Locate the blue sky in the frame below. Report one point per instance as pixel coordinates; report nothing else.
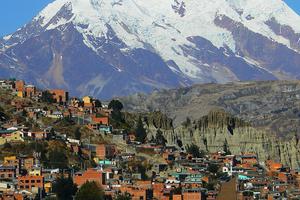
(15, 13)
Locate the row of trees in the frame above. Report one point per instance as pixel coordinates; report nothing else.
(65, 189)
(197, 153)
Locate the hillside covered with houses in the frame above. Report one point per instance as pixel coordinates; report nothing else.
(53, 146)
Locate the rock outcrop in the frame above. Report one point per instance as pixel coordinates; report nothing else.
(212, 131)
(273, 105)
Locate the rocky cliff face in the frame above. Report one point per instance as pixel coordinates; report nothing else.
(273, 105)
(212, 131)
(260, 117)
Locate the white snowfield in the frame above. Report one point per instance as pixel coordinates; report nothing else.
(156, 22)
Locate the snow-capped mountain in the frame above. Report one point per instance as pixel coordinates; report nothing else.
(117, 47)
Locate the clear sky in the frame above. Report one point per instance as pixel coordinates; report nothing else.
(15, 13)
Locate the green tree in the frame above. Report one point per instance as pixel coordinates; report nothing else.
(51, 133)
(115, 105)
(64, 188)
(116, 114)
(98, 103)
(248, 193)
(213, 168)
(90, 191)
(47, 97)
(209, 186)
(7, 146)
(3, 116)
(140, 132)
(24, 113)
(58, 159)
(179, 143)
(77, 134)
(195, 151)
(226, 148)
(143, 171)
(123, 196)
(160, 139)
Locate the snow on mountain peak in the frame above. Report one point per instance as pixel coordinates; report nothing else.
(261, 10)
(145, 44)
(180, 14)
(166, 25)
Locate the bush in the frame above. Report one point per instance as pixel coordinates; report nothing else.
(90, 191)
(64, 188)
(58, 159)
(123, 196)
(195, 151)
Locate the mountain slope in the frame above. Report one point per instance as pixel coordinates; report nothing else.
(119, 47)
(271, 105)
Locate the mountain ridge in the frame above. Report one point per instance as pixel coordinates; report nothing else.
(129, 46)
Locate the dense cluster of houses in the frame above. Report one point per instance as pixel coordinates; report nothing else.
(177, 175)
(23, 176)
(86, 110)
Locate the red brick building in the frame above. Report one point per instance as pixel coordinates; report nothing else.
(7, 172)
(191, 194)
(177, 197)
(102, 120)
(60, 96)
(249, 159)
(30, 91)
(20, 85)
(30, 182)
(39, 135)
(89, 175)
(12, 196)
(137, 193)
(158, 189)
(105, 151)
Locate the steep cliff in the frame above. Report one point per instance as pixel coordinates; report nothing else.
(212, 131)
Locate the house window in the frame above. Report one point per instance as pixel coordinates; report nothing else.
(26, 181)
